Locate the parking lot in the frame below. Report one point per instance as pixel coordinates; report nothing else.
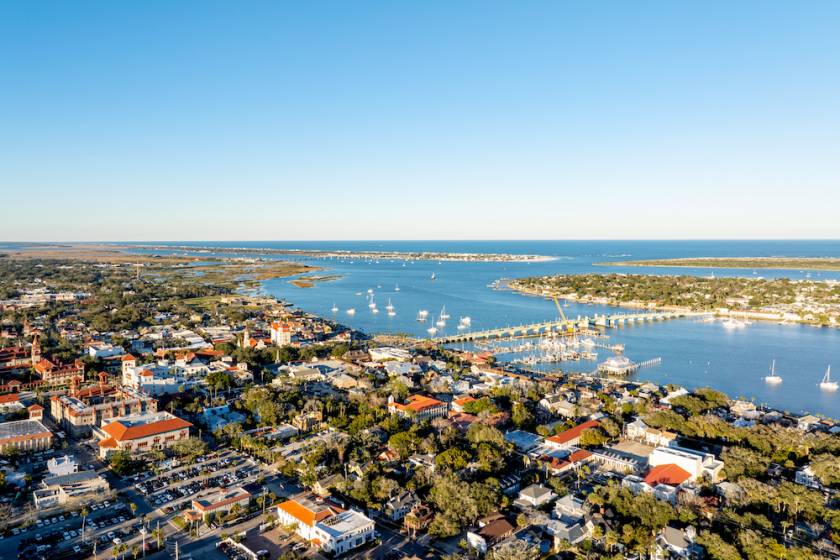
(167, 491)
(62, 534)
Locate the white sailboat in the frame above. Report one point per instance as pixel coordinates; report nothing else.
(440, 322)
(351, 311)
(827, 384)
(334, 308)
(391, 313)
(372, 303)
(443, 314)
(433, 276)
(389, 307)
(773, 379)
(397, 287)
(432, 331)
(374, 311)
(422, 315)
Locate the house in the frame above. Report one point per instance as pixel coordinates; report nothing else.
(458, 404)
(58, 490)
(675, 542)
(221, 502)
(557, 405)
(400, 505)
(806, 477)
(491, 530)
(25, 435)
(418, 408)
(534, 495)
(323, 486)
(570, 437)
(640, 431)
(805, 423)
(325, 526)
(141, 433)
(281, 333)
(569, 521)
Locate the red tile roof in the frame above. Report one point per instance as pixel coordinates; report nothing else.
(670, 474)
(418, 403)
(572, 433)
(11, 398)
(121, 432)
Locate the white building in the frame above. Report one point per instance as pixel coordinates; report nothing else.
(696, 463)
(326, 527)
(58, 466)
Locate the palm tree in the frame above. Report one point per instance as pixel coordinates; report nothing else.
(135, 551)
(133, 507)
(84, 513)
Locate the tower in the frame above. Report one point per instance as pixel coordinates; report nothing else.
(36, 350)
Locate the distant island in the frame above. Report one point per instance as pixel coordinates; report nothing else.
(343, 254)
(795, 301)
(786, 263)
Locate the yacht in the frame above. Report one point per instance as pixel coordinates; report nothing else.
(334, 308)
(443, 314)
(731, 324)
(827, 384)
(422, 314)
(466, 321)
(391, 313)
(441, 323)
(432, 331)
(351, 311)
(389, 307)
(773, 379)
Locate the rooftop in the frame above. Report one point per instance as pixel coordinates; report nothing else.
(21, 428)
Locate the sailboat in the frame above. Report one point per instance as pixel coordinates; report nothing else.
(422, 314)
(443, 314)
(432, 331)
(391, 313)
(334, 308)
(773, 379)
(397, 287)
(351, 311)
(827, 384)
(389, 307)
(372, 304)
(441, 322)
(433, 276)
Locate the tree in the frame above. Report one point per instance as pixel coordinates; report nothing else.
(190, 448)
(452, 460)
(521, 416)
(593, 437)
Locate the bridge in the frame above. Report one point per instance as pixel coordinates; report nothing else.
(566, 326)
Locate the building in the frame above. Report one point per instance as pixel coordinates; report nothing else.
(418, 408)
(10, 403)
(58, 373)
(400, 505)
(58, 490)
(570, 437)
(696, 463)
(221, 502)
(806, 477)
(281, 333)
(491, 530)
(386, 353)
(617, 365)
(59, 466)
(24, 435)
(84, 409)
(534, 495)
(325, 526)
(141, 433)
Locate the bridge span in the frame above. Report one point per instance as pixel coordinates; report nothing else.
(561, 326)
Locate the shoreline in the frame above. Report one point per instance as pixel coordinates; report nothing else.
(828, 264)
(753, 315)
(347, 254)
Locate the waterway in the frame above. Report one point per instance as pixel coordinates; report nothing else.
(693, 353)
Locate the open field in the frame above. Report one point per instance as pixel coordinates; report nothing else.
(785, 263)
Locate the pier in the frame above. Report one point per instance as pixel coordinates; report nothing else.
(564, 326)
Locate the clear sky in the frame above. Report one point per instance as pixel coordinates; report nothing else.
(419, 120)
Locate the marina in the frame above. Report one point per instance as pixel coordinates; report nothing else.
(695, 351)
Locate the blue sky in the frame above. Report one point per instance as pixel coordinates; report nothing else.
(419, 120)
